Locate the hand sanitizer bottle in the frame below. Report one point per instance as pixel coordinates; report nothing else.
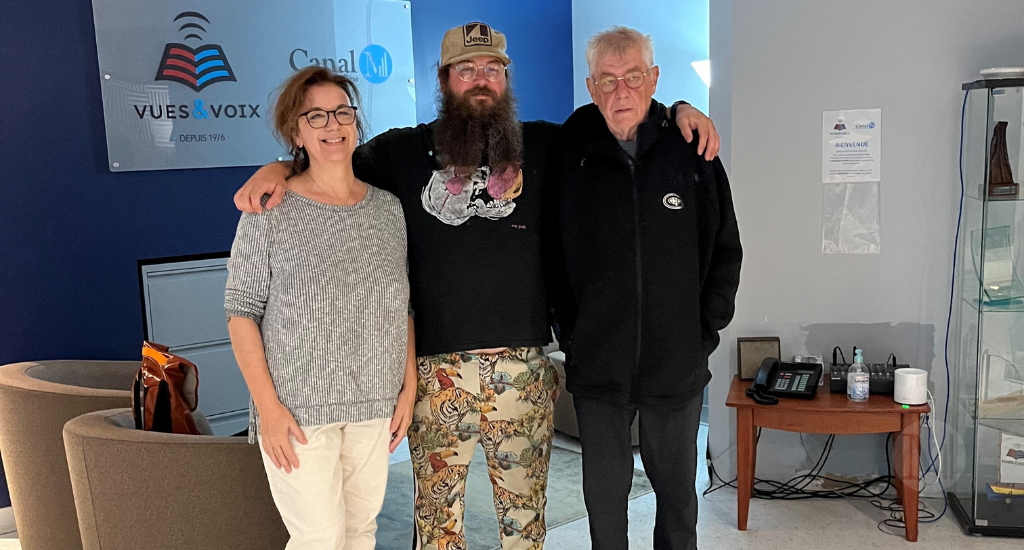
(857, 381)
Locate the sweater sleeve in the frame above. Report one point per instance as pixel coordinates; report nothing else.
(718, 294)
(249, 268)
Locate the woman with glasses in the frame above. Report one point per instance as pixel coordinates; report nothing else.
(317, 305)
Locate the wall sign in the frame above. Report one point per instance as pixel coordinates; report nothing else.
(190, 84)
(851, 167)
(851, 145)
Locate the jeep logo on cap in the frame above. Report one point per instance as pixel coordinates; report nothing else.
(477, 34)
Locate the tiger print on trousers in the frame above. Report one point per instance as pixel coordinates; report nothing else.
(506, 402)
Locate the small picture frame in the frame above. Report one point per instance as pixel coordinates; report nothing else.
(750, 352)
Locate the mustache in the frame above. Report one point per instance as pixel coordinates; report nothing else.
(480, 90)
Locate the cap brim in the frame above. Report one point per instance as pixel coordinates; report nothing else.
(460, 58)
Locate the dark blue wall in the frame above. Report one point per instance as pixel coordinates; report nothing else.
(71, 231)
(5, 498)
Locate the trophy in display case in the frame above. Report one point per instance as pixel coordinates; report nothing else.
(1000, 177)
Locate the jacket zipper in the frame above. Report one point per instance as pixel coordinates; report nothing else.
(639, 276)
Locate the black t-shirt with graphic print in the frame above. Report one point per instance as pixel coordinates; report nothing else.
(474, 237)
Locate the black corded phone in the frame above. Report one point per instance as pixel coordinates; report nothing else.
(778, 379)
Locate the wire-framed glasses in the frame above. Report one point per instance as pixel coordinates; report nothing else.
(634, 79)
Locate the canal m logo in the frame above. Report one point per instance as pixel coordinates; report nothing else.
(375, 64)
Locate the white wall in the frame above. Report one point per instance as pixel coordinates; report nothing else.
(776, 66)
(679, 29)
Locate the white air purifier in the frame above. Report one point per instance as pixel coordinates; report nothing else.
(911, 386)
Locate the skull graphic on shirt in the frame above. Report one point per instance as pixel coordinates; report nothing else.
(455, 194)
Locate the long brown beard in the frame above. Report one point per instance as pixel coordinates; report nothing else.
(465, 135)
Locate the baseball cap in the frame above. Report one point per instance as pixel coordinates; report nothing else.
(472, 40)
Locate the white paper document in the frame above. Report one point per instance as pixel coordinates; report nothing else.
(851, 146)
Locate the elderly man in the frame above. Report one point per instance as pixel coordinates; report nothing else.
(651, 266)
(471, 186)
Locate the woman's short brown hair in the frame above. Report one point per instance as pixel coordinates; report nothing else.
(291, 98)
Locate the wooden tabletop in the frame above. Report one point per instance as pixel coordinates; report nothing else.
(824, 400)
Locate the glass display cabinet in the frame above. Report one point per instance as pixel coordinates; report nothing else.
(985, 438)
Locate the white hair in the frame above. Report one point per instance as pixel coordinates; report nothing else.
(617, 41)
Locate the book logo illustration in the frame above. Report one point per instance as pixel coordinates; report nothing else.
(196, 67)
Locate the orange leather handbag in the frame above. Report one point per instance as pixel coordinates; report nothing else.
(165, 392)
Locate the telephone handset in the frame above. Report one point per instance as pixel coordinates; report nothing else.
(779, 379)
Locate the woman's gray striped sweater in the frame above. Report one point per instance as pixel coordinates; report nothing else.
(328, 286)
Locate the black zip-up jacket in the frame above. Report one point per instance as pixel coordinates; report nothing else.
(650, 261)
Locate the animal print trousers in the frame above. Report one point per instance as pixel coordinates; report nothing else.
(506, 402)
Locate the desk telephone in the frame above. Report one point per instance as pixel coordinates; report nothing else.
(777, 379)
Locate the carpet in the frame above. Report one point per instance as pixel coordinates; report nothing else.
(565, 501)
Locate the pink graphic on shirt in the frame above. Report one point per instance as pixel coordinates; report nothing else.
(455, 194)
(506, 185)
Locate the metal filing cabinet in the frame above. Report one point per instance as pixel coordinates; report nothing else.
(183, 308)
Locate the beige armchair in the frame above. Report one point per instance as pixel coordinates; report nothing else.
(36, 399)
(158, 491)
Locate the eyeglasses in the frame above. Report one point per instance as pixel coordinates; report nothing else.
(319, 118)
(493, 71)
(633, 80)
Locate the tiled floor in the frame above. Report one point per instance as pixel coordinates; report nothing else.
(783, 525)
(775, 524)
(772, 524)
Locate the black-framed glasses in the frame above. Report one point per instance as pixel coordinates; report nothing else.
(319, 118)
(634, 79)
(467, 70)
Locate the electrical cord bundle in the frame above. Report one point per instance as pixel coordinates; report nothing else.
(937, 468)
(796, 487)
(895, 519)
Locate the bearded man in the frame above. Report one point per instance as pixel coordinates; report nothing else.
(471, 185)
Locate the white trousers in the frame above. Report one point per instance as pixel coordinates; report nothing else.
(331, 501)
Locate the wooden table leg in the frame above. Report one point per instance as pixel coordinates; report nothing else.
(910, 450)
(746, 450)
(897, 466)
